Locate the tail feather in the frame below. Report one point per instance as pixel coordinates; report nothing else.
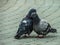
(52, 30)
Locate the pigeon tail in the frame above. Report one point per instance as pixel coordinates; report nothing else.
(52, 30)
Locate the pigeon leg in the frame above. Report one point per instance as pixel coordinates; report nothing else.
(26, 35)
(40, 36)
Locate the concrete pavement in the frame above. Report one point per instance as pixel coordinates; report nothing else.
(11, 13)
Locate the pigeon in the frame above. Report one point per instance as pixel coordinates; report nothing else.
(26, 26)
(41, 26)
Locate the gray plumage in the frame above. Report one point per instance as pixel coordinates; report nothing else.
(40, 26)
(24, 28)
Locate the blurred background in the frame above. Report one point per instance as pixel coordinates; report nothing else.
(12, 12)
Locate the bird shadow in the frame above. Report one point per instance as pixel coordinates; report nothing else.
(49, 36)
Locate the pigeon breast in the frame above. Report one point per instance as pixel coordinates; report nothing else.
(41, 26)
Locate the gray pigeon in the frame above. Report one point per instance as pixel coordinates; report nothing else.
(26, 26)
(40, 26)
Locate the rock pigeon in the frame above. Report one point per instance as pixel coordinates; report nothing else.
(41, 26)
(26, 26)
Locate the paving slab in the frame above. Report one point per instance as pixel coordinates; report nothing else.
(12, 12)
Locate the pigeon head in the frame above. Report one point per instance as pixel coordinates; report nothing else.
(31, 13)
(34, 16)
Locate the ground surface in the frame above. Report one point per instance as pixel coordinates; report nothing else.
(11, 13)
